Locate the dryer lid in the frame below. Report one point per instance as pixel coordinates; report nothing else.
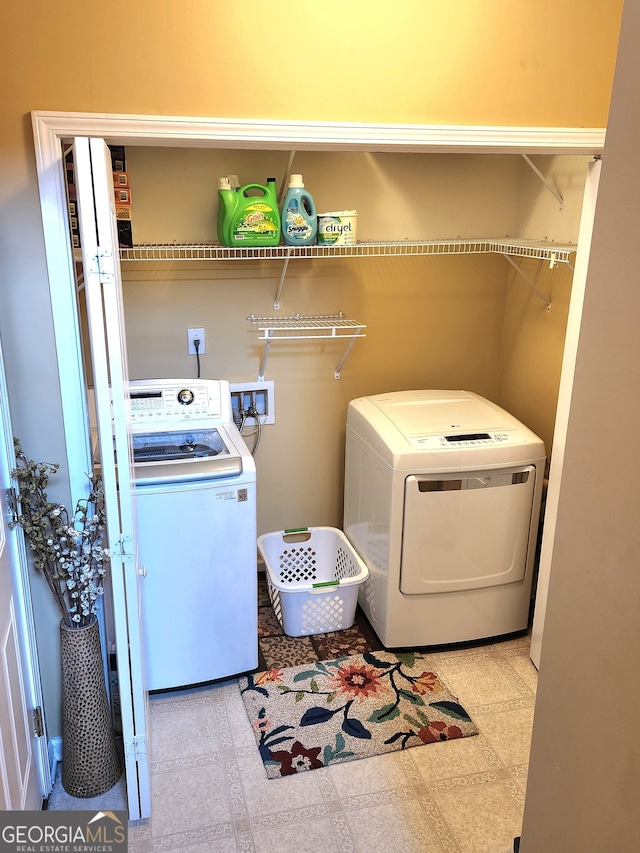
(421, 413)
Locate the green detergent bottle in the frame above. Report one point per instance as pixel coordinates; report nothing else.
(250, 216)
(224, 203)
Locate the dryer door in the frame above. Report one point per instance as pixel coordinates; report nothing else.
(466, 530)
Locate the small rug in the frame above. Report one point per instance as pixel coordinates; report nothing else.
(332, 711)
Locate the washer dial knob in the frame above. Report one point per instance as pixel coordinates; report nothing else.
(185, 397)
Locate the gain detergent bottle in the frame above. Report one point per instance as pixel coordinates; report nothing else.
(299, 218)
(224, 204)
(249, 216)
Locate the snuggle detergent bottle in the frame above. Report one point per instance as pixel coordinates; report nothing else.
(299, 218)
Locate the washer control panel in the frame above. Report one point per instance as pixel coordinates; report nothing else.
(154, 403)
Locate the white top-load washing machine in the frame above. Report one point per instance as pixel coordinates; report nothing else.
(195, 503)
(442, 501)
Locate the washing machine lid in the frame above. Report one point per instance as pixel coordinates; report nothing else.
(173, 446)
(169, 465)
(183, 455)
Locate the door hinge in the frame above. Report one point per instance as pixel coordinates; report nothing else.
(125, 547)
(105, 266)
(11, 498)
(137, 748)
(101, 265)
(38, 721)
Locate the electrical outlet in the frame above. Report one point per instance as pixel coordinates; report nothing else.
(261, 394)
(192, 335)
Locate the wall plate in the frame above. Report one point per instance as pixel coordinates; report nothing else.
(264, 399)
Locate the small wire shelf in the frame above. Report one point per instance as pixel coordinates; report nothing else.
(324, 325)
(314, 327)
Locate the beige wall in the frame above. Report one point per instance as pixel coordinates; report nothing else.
(535, 62)
(453, 322)
(584, 774)
(532, 347)
(529, 63)
(533, 340)
(534, 336)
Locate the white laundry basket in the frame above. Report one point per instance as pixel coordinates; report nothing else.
(313, 575)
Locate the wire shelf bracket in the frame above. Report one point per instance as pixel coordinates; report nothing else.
(531, 282)
(554, 192)
(319, 327)
(283, 275)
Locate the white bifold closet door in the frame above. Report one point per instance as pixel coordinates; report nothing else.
(103, 287)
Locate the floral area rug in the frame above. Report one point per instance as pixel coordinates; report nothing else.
(332, 711)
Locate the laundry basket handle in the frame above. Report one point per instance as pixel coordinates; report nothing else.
(296, 534)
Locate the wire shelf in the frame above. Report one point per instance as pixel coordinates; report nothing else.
(215, 252)
(315, 327)
(325, 325)
(553, 252)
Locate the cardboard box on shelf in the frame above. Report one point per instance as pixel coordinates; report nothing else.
(121, 179)
(123, 211)
(123, 195)
(125, 234)
(118, 162)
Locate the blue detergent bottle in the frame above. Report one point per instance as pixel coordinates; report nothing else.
(299, 217)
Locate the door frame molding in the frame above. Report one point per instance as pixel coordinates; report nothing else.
(183, 131)
(51, 129)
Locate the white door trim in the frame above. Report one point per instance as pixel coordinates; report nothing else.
(578, 287)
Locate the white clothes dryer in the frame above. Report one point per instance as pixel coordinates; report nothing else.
(442, 502)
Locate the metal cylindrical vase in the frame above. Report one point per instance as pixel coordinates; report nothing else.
(90, 761)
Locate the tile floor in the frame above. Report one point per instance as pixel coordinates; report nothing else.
(210, 792)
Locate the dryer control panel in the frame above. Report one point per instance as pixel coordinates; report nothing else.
(466, 439)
